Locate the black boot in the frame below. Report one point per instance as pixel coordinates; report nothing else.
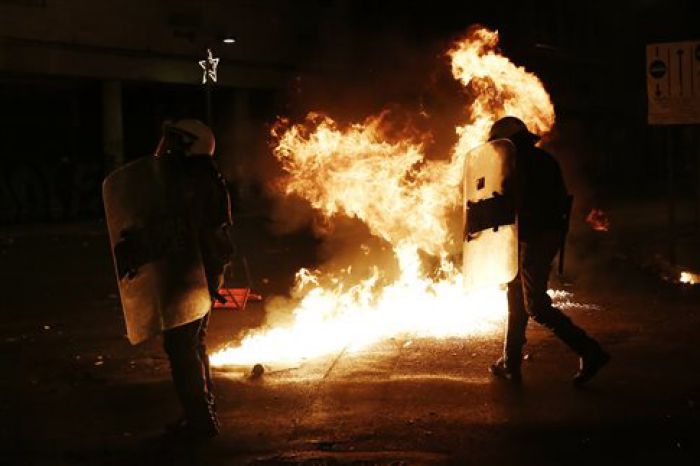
(590, 363)
(206, 422)
(591, 356)
(198, 424)
(506, 371)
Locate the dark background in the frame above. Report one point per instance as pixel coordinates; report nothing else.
(58, 58)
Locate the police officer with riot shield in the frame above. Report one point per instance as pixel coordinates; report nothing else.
(541, 204)
(168, 217)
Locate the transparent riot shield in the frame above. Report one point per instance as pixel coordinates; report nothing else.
(490, 241)
(156, 253)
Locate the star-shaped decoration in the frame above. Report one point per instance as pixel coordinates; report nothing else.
(209, 66)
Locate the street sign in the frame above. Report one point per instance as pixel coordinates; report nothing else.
(673, 83)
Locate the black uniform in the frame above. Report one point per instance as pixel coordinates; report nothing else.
(541, 200)
(210, 211)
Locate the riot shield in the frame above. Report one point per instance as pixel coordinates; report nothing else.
(490, 241)
(155, 248)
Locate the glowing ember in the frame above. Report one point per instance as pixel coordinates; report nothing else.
(404, 199)
(598, 220)
(563, 300)
(690, 278)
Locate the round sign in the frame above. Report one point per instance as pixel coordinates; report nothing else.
(657, 68)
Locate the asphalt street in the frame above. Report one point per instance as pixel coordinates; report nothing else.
(74, 392)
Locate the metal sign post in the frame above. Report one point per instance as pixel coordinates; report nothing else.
(673, 94)
(673, 83)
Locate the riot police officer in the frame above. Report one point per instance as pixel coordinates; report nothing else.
(209, 208)
(541, 203)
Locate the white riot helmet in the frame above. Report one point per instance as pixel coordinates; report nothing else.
(510, 127)
(186, 137)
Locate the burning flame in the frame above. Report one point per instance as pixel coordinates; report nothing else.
(403, 198)
(598, 220)
(690, 278)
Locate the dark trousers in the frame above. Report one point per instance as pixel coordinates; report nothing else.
(527, 297)
(189, 365)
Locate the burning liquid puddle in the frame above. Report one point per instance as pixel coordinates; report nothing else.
(332, 321)
(424, 316)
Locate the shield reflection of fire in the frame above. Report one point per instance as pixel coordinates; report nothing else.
(358, 171)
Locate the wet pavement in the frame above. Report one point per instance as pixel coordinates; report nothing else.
(74, 392)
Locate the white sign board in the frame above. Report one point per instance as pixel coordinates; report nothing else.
(673, 83)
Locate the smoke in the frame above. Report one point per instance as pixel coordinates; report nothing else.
(588, 252)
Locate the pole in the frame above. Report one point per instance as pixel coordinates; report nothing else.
(207, 103)
(696, 148)
(671, 191)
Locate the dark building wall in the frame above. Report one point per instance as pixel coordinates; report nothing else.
(350, 58)
(86, 86)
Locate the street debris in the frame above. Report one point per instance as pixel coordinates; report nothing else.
(257, 372)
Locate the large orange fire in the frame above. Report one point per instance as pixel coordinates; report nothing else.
(406, 200)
